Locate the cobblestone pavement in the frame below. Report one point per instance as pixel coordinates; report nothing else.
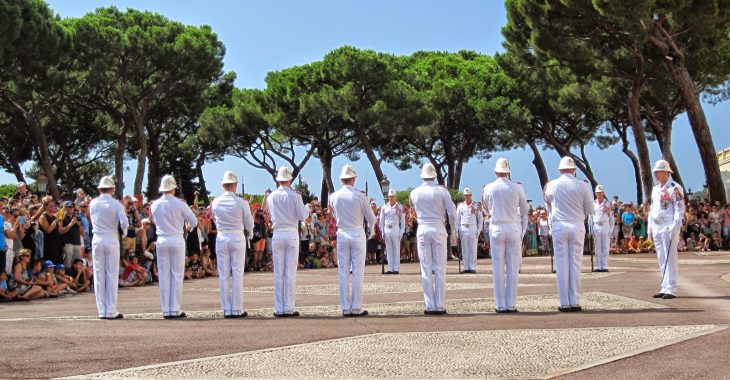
(490, 354)
(622, 333)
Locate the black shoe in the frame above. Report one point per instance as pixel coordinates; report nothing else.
(512, 311)
(360, 314)
(396, 272)
(179, 316)
(388, 272)
(347, 315)
(668, 296)
(103, 318)
(234, 316)
(501, 311)
(277, 315)
(293, 315)
(576, 309)
(564, 309)
(659, 295)
(434, 312)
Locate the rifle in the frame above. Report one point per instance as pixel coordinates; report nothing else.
(458, 248)
(550, 248)
(592, 249)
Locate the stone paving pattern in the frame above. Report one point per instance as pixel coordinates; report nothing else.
(481, 354)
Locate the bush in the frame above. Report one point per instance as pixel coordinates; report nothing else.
(7, 191)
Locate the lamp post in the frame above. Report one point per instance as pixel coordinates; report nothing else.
(385, 187)
(42, 182)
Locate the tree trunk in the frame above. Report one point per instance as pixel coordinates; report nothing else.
(328, 187)
(153, 170)
(142, 157)
(119, 161)
(457, 174)
(539, 164)
(700, 128)
(664, 138)
(201, 179)
(367, 147)
(634, 161)
(41, 142)
(17, 172)
(640, 141)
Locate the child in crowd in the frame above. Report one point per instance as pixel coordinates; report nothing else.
(63, 278)
(195, 268)
(134, 274)
(5, 294)
(208, 264)
(80, 277)
(633, 245)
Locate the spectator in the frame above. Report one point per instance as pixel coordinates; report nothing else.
(715, 242)
(80, 276)
(22, 281)
(726, 221)
(194, 268)
(640, 226)
(681, 244)
(52, 244)
(691, 242)
(258, 242)
(6, 295)
(134, 274)
(633, 245)
(63, 279)
(628, 219)
(22, 192)
(129, 242)
(305, 235)
(85, 216)
(703, 243)
(80, 197)
(10, 228)
(209, 265)
(3, 244)
(71, 232)
(47, 279)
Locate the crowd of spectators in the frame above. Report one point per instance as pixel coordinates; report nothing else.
(46, 249)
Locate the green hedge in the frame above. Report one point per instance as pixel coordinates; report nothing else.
(7, 191)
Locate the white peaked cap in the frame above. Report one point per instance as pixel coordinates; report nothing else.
(599, 189)
(348, 171)
(467, 191)
(284, 174)
(392, 193)
(502, 166)
(662, 165)
(168, 183)
(428, 171)
(106, 182)
(566, 163)
(229, 177)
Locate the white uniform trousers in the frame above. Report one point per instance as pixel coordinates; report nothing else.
(171, 270)
(392, 237)
(285, 253)
(601, 244)
(568, 240)
(105, 254)
(506, 246)
(351, 257)
(432, 245)
(231, 255)
(468, 241)
(665, 242)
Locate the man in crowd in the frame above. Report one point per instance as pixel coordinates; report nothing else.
(507, 206)
(392, 222)
(350, 208)
(469, 220)
(665, 221)
(603, 224)
(71, 231)
(569, 202)
(287, 210)
(235, 227)
(434, 207)
(169, 214)
(22, 192)
(107, 216)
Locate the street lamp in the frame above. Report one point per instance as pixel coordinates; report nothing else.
(42, 182)
(385, 186)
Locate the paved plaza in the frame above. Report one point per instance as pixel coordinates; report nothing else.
(622, 333)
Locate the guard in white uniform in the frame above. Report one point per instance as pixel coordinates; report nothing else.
(107, 217)
(569, 202)
(235, 228)
(351, 210)
(665, 221)
(434, 207)
(603, 224)
(169, 214)
(469, 220)
(287, 210)
(392, 221)
(505, 203)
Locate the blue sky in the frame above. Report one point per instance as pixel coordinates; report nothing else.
(261, 36)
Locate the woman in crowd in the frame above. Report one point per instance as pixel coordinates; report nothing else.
(628, 219)
(52, 244)
(532, 235)
(258, 242)
(22, 281)
(544, 232)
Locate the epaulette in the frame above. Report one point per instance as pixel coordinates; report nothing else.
(519, 183)
(586, 181)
